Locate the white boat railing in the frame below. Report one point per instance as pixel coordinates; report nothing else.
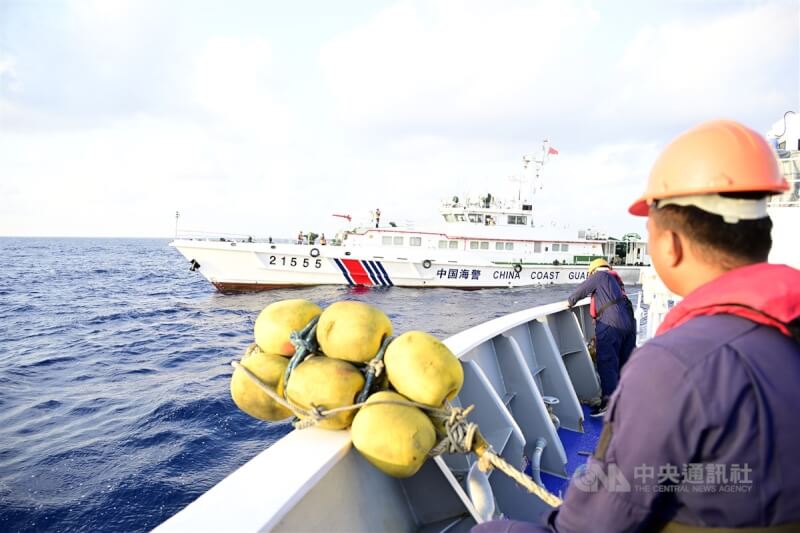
(514, 368)
(791, 170)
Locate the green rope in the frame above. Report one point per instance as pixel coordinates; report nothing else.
(305, 345)
(373, 370)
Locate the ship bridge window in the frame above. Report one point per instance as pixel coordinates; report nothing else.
(517, 219)
(398, 241)
(498, 246)
(556, 247)
(449, 218)
(484, 245)
(453, 245)
(509, 246)
(415, 241)
(473, 245)
(387, 240)
(475, 217)
(537, 247)
(565, 247)
(442, 244)
(459, 218)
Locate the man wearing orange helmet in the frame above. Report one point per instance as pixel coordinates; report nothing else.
(703, 426)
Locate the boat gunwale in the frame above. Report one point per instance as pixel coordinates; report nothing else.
(318, 450)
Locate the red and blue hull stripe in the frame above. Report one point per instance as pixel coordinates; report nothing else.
(363, 272)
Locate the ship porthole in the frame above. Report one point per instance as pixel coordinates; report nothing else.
(314, 252)
(517, 268)
(427, 263)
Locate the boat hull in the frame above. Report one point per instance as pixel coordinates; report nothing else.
(246, 267)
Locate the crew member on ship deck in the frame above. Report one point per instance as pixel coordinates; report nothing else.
(615, 328)
(703, 426)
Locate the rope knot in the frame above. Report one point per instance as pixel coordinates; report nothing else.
(459, 433)
(377, 366)
(313, 416)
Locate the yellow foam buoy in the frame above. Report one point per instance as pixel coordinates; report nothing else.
(396, 439)
(326, 383)
(278, 320)
(423, 369)
(352, 331)
(269, 368)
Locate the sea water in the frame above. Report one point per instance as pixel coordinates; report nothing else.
(115, 411)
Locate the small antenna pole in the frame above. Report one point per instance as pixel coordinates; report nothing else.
(538, 162)
(177, 216)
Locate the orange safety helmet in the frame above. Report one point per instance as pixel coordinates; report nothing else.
(718, 156)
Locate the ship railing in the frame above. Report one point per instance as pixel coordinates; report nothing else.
(790, 166)
(527, 374)
(217, 236)
(652, 304)
(200, 235)
(480, 203)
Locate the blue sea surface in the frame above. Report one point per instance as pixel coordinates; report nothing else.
(115, 411)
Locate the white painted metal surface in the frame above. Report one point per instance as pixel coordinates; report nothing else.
(479, 242)
(312, 480)
(235, 265)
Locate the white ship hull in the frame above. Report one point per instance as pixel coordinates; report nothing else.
(250, 266)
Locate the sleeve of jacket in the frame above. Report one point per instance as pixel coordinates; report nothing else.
(583, 290)
(653, 425)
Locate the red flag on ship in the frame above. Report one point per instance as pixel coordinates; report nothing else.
(552, 151)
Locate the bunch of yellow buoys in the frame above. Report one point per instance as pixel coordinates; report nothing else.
(388, 430)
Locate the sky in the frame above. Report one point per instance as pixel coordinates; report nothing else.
(265, 118)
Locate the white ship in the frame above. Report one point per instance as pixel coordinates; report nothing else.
(478, 243)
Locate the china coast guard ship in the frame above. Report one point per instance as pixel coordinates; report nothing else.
(478, 243)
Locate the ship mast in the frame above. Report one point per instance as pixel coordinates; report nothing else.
(538, 161)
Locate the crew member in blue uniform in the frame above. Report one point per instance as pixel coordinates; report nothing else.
(615, 328)
(702, 431)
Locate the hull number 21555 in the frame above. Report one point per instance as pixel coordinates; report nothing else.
(304, 262)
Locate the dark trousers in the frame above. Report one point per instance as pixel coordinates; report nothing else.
(614, 347)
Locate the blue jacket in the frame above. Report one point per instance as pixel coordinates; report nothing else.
(605, 289)
(728, 402)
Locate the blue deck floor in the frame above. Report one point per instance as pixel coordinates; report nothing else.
(573, 444)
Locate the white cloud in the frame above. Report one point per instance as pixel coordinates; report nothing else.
(595, 188)
(130, 177)
(233, 81)
(455, 63)
(126, 111)
(740, 64)
(502, 69)
(9, 81)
